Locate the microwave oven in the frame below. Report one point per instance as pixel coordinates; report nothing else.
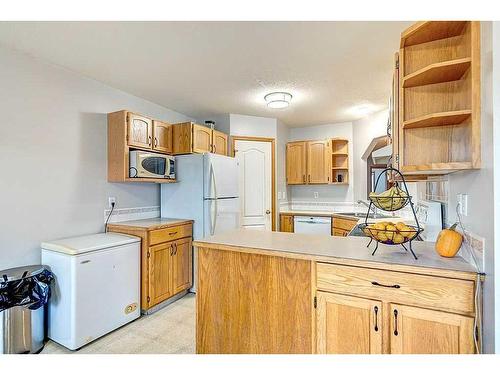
(149, 165)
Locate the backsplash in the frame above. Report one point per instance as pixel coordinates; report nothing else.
(133, 213)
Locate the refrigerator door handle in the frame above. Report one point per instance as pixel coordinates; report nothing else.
(214, 221)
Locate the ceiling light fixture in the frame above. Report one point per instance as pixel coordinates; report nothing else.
(278, 100)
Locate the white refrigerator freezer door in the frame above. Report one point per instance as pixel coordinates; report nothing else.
(221, 215)
(221, 176)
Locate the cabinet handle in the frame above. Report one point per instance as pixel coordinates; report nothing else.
(175, 251)
(172, 233)
(375, 310)
(215, 148)
(396, 322)
(396, 286)
(156, 142)
(309, 178)
(171, 250)
(149, 140)
(304, 178)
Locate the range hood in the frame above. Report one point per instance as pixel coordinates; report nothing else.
(379, 151)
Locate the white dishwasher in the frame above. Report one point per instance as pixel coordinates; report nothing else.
(312, 225)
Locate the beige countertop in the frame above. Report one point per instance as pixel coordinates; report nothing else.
(154, 223)
(331, 248)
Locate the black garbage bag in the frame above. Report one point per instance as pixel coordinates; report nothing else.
(31, 290)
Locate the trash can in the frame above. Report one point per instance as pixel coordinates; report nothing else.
(24, 293)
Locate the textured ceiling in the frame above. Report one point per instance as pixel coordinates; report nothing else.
(207, 68)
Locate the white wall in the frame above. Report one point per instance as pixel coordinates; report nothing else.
(326, 193)
(479, 186)
(364, 130)
(53, 142)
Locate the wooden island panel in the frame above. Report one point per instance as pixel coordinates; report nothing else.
(253, 303)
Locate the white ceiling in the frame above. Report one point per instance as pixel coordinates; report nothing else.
(208, 68)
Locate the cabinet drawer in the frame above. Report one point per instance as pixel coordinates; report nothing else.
(169, 234)
(340, 232)
(398, 287)
(345, 224)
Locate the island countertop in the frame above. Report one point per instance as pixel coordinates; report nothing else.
(342, 250)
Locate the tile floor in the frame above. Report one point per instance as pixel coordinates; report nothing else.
(170, 330)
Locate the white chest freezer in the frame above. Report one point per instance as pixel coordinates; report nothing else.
(97, 286)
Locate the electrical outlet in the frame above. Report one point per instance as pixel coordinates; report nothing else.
(284, 195)
(279, 195)
(111, 202)
(462, 201)
(316, 195)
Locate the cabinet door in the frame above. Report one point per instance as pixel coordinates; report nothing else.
(348, 325)
(162, 133)
(202, 139)
(421, 331)
(318, 162)
(182, 265)
(140, 131)
(160, 272)
(219, 142)
(286, 223)
(296, 163)
(394, 113)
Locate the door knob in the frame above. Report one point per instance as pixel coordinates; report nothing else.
(268, 212)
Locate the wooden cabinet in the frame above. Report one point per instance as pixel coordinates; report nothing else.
(296, 159)
(162, 137)
(139, 131)
(342, 226)
(439, 98)
(189, 137)
(318, 162)
(220, 143)
(129, 131)
(422, 331)
(181, 265)
(348, 325)
(408, 313)
(166, 259)
(286, 223)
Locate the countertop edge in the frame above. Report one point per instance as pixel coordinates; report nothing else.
(395, 267)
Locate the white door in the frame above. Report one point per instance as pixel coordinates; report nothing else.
(255, 183)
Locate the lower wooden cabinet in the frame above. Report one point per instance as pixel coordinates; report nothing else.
(366, 310)
(166, 260)
(342, 226)
(286, 223)
(422, 331)
(348, 325)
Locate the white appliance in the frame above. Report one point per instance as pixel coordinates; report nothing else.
(149, 165)
(96, 287)
(206, 192)
(430, 218)
(312, 225)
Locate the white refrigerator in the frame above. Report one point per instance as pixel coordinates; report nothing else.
(206, 192)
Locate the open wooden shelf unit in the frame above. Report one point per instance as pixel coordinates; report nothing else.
(439, 97)
(340, 161)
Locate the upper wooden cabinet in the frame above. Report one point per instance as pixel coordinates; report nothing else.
(130, 131)
(296, 159)
(439, 98)
(162, 137)
(219, 141)
(317, 162)
(348, 325)
(189, 137)
(139, 131)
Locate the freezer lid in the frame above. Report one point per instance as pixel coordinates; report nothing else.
(220, 174)
(85, 244)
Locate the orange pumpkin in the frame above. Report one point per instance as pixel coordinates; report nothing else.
(448, 242)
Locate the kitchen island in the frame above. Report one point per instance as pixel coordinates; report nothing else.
(272, 292)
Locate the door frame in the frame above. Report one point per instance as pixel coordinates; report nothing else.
(235, 138)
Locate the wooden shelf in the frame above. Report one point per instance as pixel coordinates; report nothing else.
(437, 168)
(154, 180)
(446, 71)
(423, 32)
(340, 154)
(438, 119)
(341, 168)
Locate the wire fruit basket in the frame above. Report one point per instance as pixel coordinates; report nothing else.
(391, 200)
